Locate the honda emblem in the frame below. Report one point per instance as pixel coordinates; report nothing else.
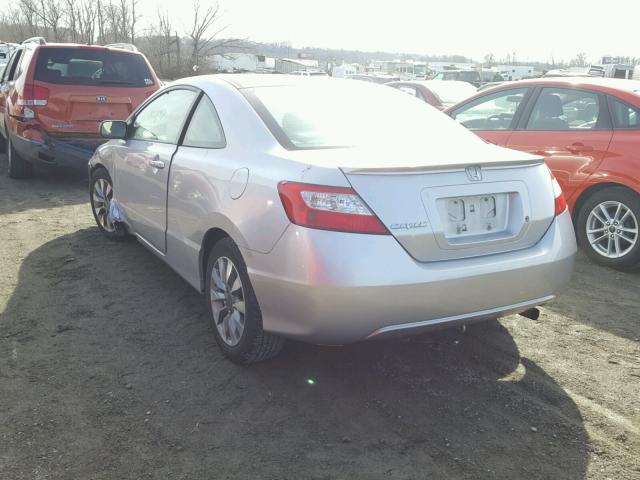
(474, 173)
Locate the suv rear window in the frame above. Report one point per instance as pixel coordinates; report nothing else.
(80, 66)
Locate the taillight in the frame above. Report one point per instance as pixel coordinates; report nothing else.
(560, 202)
(33, 96)
(328, 208)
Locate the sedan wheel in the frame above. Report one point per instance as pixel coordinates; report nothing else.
(102, 196)
(234, 308)
(612, 229)
(227, 301)
(607, 227)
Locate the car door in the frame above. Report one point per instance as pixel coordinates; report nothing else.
(202, 179)
(494, 115)
(571, 128)
(6, 84)
(143, 171)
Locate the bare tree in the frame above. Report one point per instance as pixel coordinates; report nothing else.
(205, 32)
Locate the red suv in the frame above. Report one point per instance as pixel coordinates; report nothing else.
(588, 130)
(54, 96)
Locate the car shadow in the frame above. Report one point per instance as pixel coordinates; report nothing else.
(48, 188)
(112, 362)
(602, 298)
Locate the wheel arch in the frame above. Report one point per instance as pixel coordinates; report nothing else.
(592, 190)
(211, 237)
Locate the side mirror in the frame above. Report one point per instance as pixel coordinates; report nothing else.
(113, 129)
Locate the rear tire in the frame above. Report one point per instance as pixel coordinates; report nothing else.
(100, 196)
(236, 318)
(608, 228)
(18, 167)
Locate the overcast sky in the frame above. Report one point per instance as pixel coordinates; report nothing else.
(535, 30)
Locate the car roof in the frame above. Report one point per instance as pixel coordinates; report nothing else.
(253, 80)
(81, 46)
(599, 83)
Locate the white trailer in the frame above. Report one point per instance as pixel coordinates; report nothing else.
(515, 72)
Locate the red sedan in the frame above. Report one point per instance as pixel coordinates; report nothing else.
(588, 130)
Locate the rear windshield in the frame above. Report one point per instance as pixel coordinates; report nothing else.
(328, 112)
(80, 66)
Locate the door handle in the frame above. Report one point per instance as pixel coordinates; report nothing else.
(579, 147)
(156, 163)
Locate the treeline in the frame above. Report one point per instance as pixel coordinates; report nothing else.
(173, 51)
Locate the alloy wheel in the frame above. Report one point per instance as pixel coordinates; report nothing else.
(102, 196)
(612, 229)
(227, 301)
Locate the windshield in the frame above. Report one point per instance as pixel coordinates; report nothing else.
(81, 66)
(333, 113)
(450, 93)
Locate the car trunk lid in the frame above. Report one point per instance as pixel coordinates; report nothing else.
(457, 208)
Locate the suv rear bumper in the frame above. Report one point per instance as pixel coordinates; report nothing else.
(72, 153)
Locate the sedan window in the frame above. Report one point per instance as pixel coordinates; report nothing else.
(559, 109)
(162, 120)
(205, 130)
(494, 111)
(624, 115)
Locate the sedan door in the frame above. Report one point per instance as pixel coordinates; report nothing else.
(142, 173)
(494, 115)
(571, 128)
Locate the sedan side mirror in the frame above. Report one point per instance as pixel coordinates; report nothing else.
(113, 129)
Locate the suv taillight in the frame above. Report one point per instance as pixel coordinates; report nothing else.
(328, 208)
(560, 204)
(34, 96)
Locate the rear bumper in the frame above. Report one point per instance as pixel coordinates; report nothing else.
(74, 154)
(335, 288)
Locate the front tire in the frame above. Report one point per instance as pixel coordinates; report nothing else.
(101, 196)
(18, 167)
(608, 228)
(235, 314)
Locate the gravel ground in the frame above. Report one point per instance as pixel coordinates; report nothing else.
(108, 370)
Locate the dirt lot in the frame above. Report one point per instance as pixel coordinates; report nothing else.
(108, 370)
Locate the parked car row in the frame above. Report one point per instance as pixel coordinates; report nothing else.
(245, 184)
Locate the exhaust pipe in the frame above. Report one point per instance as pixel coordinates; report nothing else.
(532, 313)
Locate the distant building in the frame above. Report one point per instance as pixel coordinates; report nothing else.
(344, 70)
(243, 62)
(288, 65)
(437, 67)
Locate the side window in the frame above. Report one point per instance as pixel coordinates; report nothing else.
(624, 115)
(27, 54)
(11, 66)
(205, 130)
(559, 109)
(491, 112)
(162, 120)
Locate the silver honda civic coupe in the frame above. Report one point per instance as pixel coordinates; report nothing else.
(328, 210)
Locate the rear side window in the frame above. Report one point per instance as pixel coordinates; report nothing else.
(559, 109)
(624, 115)
(82, 66)
(9, 73)
(25, 61)
(204, 129)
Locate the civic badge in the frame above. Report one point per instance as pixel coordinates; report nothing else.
(101, 98)
(474, 173)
